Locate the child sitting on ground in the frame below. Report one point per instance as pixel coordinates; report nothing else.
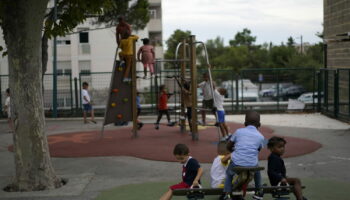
(191, 171)
(148, 57)
(219, 166)
(127, 53)
(163, 106)
(219, 105)
(276, 169)
(245, 145)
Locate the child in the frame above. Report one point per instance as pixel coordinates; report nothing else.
(247, 143)
(163, 106)
(8, 110)
(138, 104)
(187, 101)
(122, 27)
(208, 101)
(127, 53)
(219, 166)
(276, 169)
(219, 101)
(87, 103)
(191, 171)
(148, 57)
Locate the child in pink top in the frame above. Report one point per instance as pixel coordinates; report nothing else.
(148, 56)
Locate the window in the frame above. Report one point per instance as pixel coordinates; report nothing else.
(84, 37)
(63, 40)
(64, 68)
(153, 13)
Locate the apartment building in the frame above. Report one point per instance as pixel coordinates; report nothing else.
(90, 49)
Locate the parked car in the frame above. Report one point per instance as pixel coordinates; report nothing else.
(273, 90)
(309, 97)
(293, 91)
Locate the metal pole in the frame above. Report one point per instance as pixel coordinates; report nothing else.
(336, 93)
(54, 74)
(194, 87)
(183, 75)
(71, 93)
(319, 91)
(134, 106)
(76, 94)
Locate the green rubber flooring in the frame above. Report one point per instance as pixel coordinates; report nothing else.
(316, 189)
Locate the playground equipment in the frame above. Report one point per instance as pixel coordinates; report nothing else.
(122, 96)
(240, 187)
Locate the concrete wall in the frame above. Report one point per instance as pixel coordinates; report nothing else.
(337, 21)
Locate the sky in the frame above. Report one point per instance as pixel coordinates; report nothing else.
(269, 20)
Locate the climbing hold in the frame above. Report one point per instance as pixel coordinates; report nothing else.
(113, 105)
(119, 116)
(115, 90)
(125, 99)
(120, 69)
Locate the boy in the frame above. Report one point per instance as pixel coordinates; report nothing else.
(276, 169)
(8, 110)
(163, 106)
(219, 166)
(87, 103)
(245, 145)
(219, 105)
(127, 53)
(191, 171)
(208, 101)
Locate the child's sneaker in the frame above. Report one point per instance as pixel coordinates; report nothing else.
(182, 118)
(227, 197)
(259, 195)
(171, 123)
(122, 64)
(139, 125)
(156, 126)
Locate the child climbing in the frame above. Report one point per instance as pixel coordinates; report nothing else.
(147, 56)
(127, 53)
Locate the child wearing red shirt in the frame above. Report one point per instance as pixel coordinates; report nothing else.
(163, 106)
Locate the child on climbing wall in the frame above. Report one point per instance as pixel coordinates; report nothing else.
(146, 55)
(127, 53)
(163, 106)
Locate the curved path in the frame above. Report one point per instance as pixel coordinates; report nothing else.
(158, 144)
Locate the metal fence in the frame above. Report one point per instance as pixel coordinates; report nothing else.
(266, 90)
(334, 93)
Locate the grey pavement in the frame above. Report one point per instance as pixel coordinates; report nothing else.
(88, 176)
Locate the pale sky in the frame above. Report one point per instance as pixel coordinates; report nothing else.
(269, 20)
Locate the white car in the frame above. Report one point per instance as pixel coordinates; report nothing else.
(308, 97)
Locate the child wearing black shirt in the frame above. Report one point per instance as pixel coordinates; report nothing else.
(276, 168)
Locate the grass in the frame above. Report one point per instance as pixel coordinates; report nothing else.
(316, 189)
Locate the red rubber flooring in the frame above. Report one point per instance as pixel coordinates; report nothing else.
(157, 144)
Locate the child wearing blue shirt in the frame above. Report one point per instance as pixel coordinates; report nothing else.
(245, 145)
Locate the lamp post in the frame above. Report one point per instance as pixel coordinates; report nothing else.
(301, 43)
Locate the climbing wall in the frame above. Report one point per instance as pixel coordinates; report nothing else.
(119, 103)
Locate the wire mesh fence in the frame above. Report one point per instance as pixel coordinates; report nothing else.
(269, 90)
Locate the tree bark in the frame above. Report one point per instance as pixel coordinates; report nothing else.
(22, 26)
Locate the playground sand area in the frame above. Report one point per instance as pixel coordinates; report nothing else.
(324, 171)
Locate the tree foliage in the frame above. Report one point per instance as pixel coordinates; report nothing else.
(173, 41)
(243, 38)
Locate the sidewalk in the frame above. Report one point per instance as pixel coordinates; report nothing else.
(88, 176)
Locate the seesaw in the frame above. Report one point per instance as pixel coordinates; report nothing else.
(240, 187)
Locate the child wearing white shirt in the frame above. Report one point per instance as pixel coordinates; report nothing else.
(87, 106)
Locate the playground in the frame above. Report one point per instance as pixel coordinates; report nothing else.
(322, 170)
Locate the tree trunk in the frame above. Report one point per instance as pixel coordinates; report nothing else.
(22, 25)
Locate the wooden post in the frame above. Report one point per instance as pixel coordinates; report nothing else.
(193, 87)
(183, 75)
(133, 81)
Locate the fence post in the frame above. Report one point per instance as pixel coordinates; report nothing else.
(278, 90)
(232, 78)
(336, 93)
(313, 88)
(237, 100)
(80, 100)
(71, 92)
(76, 94)
(319, 78)
(326, 89)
